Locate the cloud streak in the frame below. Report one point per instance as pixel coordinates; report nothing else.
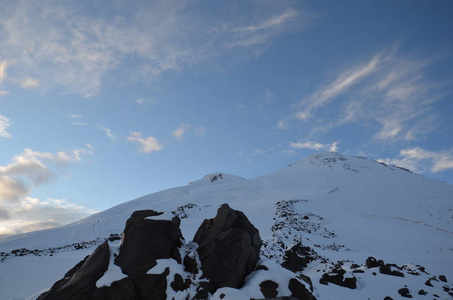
(315, 146)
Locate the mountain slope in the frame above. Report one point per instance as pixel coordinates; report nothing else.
(342, 207)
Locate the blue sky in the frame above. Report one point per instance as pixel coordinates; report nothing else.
(105, 101)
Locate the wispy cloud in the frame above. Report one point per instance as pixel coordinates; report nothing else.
(167, 36)
(259, 32)
(108, 132)
(147, 101)
(315, 146)
(388, 95)
(4, 124)
(146, 145)
(184, 129)
(30, 83)
(28, 171)
(76, 120)
(340, 85)
(421, 160)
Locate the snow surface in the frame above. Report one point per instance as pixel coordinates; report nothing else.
(343, 207)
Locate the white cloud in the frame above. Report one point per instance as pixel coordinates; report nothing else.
(184, 129)
(30, 83)
(29, 170)
(108, 132)
(77, 120)
(167, 36)
(421, 160)
(4, 124)
(146, 145)
(315, 146)
(3, 67)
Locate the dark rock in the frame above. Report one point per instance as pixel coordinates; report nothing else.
(446, 288)
(179, 284)
(388, 298)
(269, 289)
(145, 241)
(121, 289)
(81, 283)
(299, 291)
(358, 271)
(404, 292)
(337, 277)
(428, 282)
(261, 267)
(371, 262)
(386, 269)
(152, 286)
(230, 243)
(422, 292)
(354, 266)
(204, 289)
(190, 265)
(443, 278)
(297, 258)
(307, 280)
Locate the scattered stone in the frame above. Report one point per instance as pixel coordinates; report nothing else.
(371, 262)
(388, 298)
(297, 258)
(269, 289)
(422, 292)
(337, 276)
(386, 269)
(428, 282)
(404, 292)
(443, 278)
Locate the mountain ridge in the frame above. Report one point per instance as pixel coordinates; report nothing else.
(342, 207)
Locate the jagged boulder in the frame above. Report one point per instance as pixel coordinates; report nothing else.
(146, 239)
(79, 283)
(228, 242)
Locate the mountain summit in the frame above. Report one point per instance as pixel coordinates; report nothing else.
(338, 212)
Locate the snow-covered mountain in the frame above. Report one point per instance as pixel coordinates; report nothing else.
(344, 208)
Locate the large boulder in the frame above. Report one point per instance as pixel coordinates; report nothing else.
(79, 283)
(147, 238)
(228, 242)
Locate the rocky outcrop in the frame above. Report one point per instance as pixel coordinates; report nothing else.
(153, 262)
(144, 241)
(228, 242)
